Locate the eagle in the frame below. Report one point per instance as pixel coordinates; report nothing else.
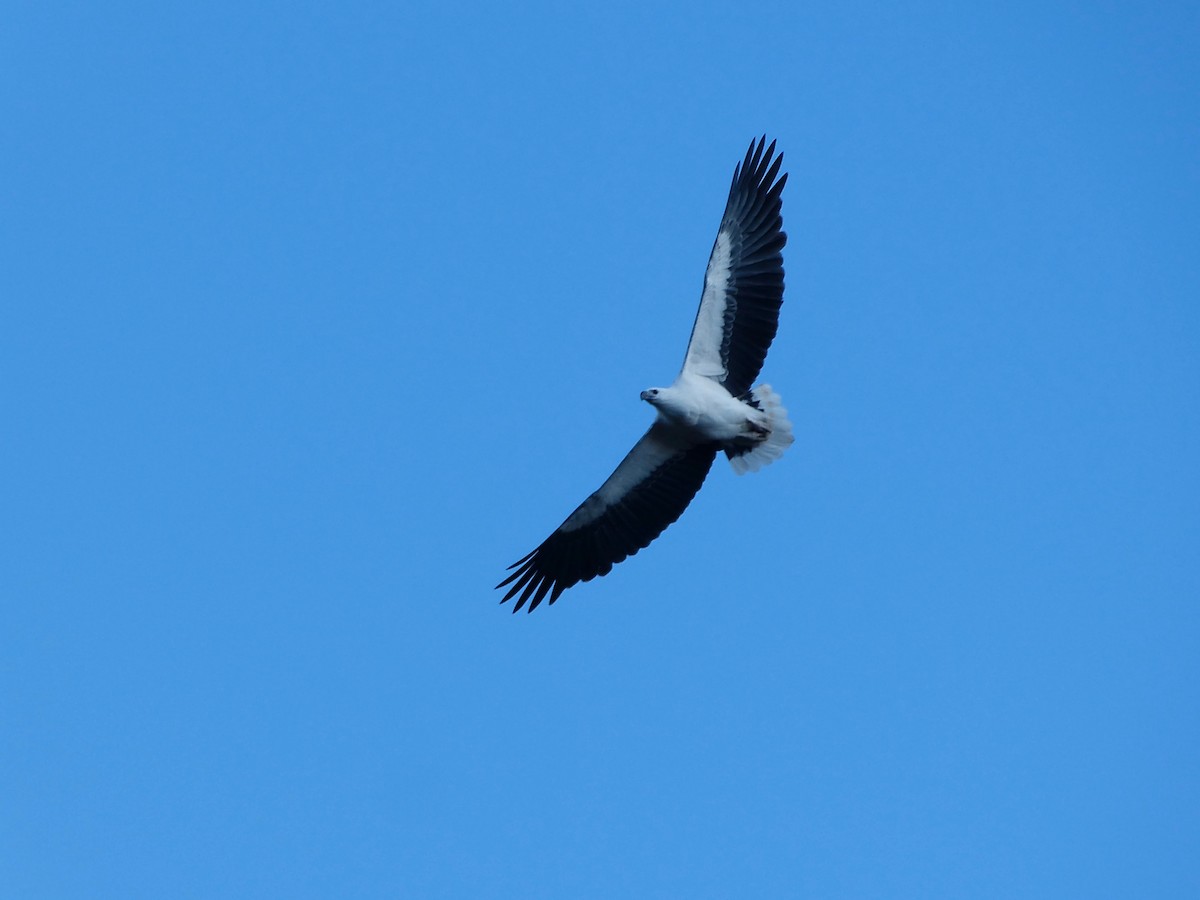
(713, 406)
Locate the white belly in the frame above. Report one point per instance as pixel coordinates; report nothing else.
(705, 407)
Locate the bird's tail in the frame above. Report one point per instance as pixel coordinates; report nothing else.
(752, 457)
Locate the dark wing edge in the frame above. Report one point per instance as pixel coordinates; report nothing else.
(753, 224)
(612, 528)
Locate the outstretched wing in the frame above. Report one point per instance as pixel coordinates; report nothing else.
(649, 490)
(743, 286)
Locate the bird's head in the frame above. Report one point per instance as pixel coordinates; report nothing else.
(652, 395)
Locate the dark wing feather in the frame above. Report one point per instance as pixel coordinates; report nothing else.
(648, 491)
(743, 285)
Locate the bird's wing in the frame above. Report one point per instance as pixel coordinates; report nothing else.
(743, 285)
(649, 490)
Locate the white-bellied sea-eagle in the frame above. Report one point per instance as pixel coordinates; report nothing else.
(711, 407)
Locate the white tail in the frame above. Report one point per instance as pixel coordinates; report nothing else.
(779, 433)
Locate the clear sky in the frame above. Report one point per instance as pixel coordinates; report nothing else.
(314, 317)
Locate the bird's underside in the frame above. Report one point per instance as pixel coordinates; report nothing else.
(710, 408)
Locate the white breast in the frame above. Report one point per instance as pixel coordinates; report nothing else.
(704, 406)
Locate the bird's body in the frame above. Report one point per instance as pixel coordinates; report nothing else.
(704, 407)
(711, 406)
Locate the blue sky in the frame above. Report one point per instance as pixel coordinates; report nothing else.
(317, 316)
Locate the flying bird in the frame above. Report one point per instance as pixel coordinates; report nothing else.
(710, 408)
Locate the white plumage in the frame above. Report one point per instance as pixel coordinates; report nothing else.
(709, 408)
